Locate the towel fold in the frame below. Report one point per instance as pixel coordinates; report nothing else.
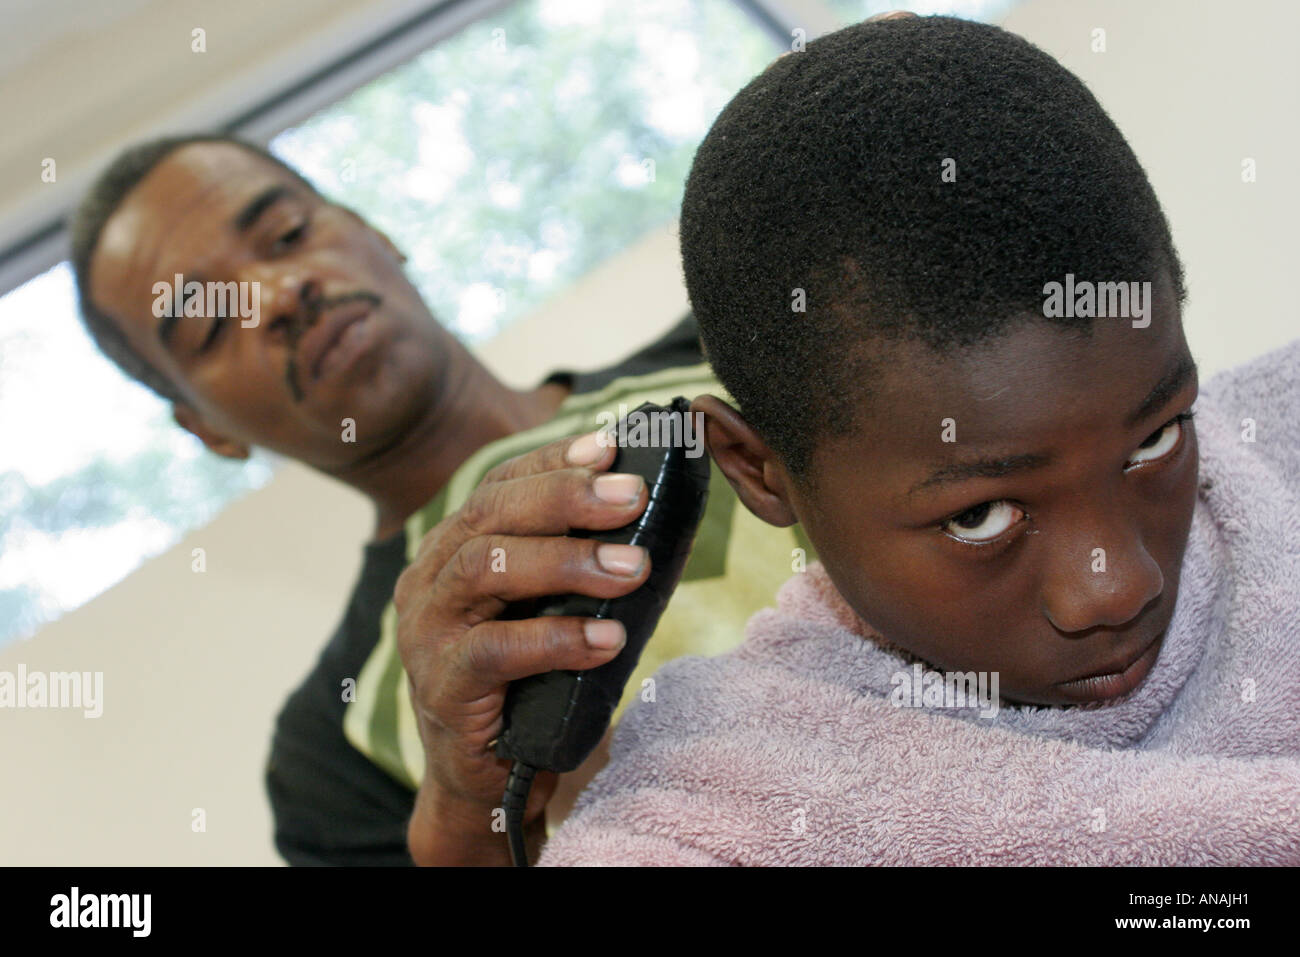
(789, 750)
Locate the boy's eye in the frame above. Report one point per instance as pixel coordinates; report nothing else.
(1159, 443)
(983, 523)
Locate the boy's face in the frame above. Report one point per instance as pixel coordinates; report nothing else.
(1045, 540)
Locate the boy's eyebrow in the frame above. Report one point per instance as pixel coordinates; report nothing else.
(1170, 384)
(981, 468)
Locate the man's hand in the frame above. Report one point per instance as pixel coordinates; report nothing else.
(505, 544)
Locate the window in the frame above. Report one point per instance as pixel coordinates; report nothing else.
(94, 475)
(509, 160)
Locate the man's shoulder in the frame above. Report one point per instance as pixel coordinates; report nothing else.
(670, 366)
(678, 347)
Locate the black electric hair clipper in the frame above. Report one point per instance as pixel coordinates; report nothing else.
(553, 721)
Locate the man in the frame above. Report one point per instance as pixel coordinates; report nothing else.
(342, 334)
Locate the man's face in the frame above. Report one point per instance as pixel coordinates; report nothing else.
(1045, 541)
(340, 334)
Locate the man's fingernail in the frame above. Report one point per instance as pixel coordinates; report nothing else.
(603, 634)
(586, 450)
(618, 489)
(620, 559)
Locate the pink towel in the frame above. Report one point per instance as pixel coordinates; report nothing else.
(788, 750)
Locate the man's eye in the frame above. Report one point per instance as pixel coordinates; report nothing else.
(1159, 443)
(291, 237)
(983, 523)
(213, 333)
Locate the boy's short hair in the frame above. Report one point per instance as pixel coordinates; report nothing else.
(918, 178)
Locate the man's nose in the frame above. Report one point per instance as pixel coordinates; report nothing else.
(286, 302)
(1105, 576)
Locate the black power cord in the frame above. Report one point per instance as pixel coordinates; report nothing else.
(514, 802)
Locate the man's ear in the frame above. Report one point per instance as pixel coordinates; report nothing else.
(189, 420)
(392, 247)
(383, 236)
(760, 481)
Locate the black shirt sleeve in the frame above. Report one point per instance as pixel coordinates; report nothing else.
(331, 804)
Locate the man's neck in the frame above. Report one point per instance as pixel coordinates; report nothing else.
(474, 408)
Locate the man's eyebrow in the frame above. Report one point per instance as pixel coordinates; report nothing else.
(1170, 384)
(259, 204)
(981, 468)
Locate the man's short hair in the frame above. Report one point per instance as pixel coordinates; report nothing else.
(102, 200)
(917, 179)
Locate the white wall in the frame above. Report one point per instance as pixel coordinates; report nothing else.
(197, 665)
(1196, 87)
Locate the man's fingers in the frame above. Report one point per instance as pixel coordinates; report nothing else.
(491, 570)
(550, 503)
(593, 450)
(553, 503)
(498, 652)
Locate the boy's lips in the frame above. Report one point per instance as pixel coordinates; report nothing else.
(1114, 681)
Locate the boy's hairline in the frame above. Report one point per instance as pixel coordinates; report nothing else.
(806, 477)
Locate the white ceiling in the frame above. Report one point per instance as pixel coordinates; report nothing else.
(28, 26)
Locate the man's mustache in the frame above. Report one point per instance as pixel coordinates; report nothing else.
(307, 316)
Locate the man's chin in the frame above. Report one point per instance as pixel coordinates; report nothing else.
(372, 418)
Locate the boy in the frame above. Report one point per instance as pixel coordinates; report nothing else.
(878, 235)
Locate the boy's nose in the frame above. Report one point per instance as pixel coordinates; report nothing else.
(1101, 581)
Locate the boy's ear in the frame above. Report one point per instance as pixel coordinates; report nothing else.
(760, 481)
(189, 420)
